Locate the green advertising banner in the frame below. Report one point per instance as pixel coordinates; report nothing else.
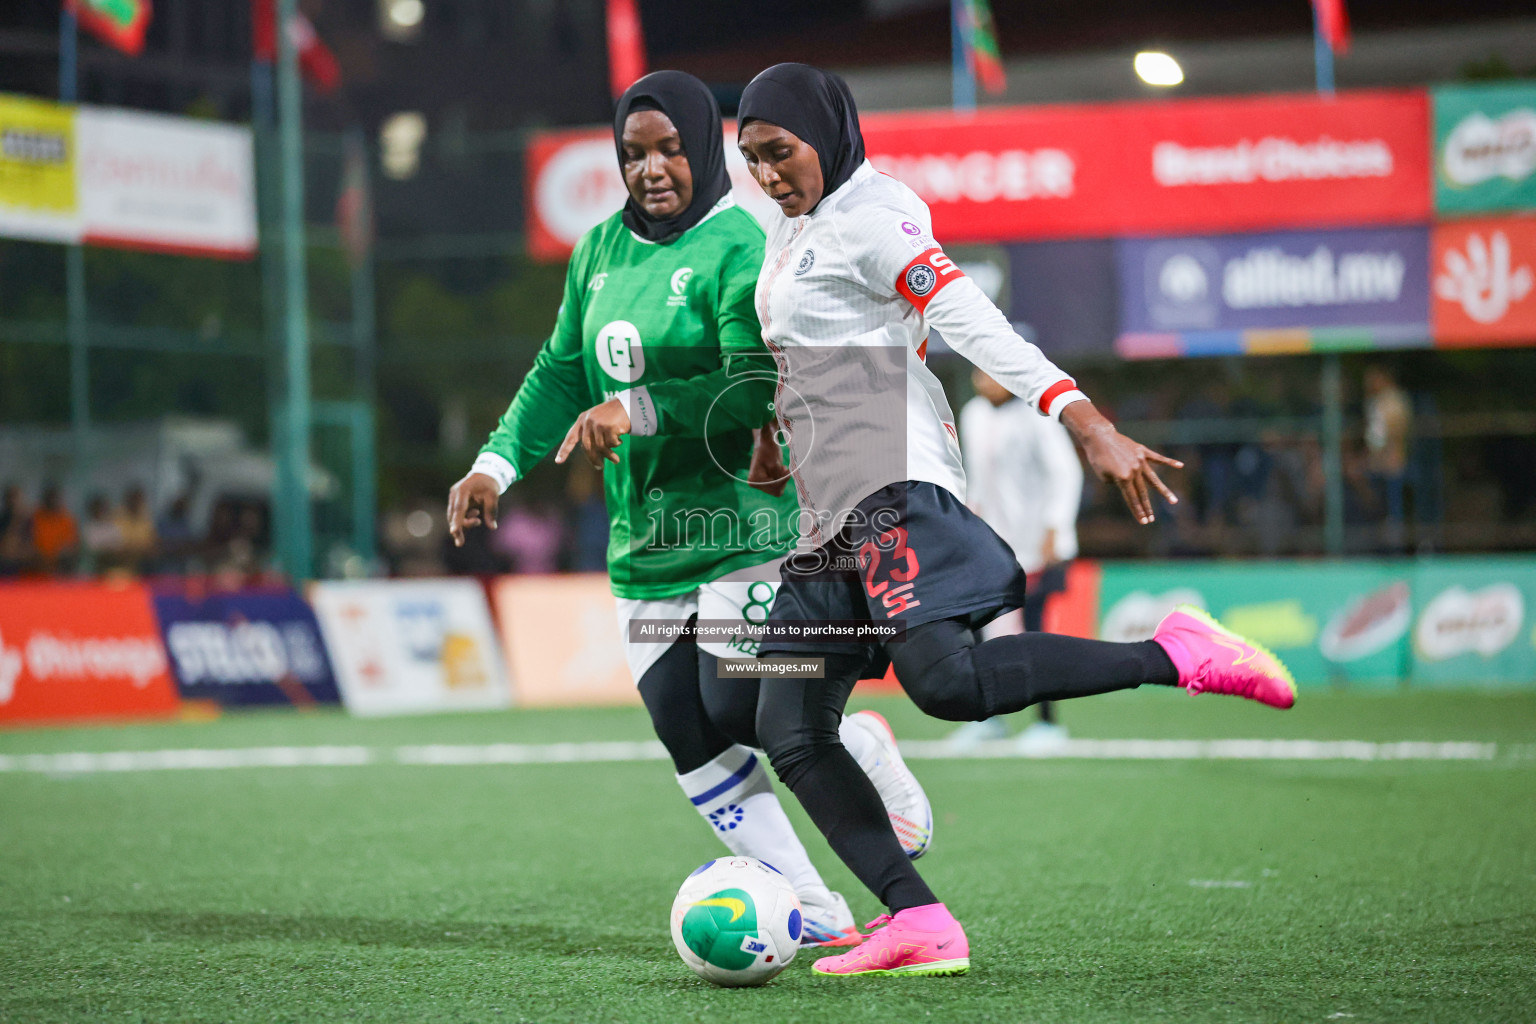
(1331, 622)
(1450, 621)
(1473, 622)
(1485, 148)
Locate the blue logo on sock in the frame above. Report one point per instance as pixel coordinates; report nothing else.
(727, 817)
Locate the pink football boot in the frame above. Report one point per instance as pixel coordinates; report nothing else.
(921, 940)
(1213, 659)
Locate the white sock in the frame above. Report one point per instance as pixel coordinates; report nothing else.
(734, 794)
(858, 742)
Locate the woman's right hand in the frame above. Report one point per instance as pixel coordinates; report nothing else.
(472, 502)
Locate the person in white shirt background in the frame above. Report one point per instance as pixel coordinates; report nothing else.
(1024, 479)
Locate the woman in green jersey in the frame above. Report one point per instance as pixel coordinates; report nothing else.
(657, 339)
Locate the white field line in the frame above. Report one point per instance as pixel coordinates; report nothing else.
(652, 750)
(531, 753)
(1213, 750)
(158, 760)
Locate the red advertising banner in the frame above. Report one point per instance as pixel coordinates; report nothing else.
(1483, 282)
(79, 651)
(1016, 174)
(1199, 166)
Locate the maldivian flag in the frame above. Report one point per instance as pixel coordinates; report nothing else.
(119, 23)
(981, 51)
(1333, 24)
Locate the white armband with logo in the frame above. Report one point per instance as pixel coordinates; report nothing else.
(640, 407)
(497, 468)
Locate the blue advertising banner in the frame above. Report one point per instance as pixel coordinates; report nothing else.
(1280, 292)
(1065, 294)
(246, 647)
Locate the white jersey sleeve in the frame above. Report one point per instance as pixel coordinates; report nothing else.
(894, 253)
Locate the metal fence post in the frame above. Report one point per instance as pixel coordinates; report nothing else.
(293, 455)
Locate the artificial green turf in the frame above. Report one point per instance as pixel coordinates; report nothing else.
(1400, 891)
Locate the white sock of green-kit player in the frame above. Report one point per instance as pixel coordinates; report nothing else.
(734, 794)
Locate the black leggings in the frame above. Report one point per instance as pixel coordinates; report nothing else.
(953, 675)
(696, 714)
(948, 674)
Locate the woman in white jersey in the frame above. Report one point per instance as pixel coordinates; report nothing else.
(679, 235)
(852, 279)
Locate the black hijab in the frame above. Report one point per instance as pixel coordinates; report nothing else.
(693, 110)
(816, 106)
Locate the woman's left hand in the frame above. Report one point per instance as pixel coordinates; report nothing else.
(768, 472)
(1115, 457)
(598, 431)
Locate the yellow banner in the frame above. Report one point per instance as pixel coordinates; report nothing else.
(37, 156)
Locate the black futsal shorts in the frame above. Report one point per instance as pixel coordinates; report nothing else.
(908, 554)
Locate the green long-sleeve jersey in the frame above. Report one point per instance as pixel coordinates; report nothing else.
(672, 328)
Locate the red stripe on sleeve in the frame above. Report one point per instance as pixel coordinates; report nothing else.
(923, 278)
(1054, 392)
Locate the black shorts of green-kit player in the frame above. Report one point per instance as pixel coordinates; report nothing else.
(949, 574)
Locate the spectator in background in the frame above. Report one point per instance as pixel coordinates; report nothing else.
(55, 535)
(589, 519)
(530, 537)
(1388, 426)
(173, 532)
(1217, 471)
(15, 531)
(102, 536)
(1024, 479)
(136, 529)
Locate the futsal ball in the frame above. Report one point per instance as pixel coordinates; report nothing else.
(736, 922)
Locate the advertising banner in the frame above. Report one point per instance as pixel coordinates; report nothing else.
(1484, 277)
(246, 647)
(561, 634)
(169, 184)
(123, 178)
(72, 651)
(1280, 292)
(411, 646)
(1485, 148)
(1473, 622)
(1331, 623)
(1432, 622)
(37, 170)
(1066, 295)
(1093, 171)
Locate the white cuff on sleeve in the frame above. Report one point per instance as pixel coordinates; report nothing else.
(640, 407)
(497, 468)
(1063, 400)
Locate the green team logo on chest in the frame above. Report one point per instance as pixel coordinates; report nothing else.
(620, 352)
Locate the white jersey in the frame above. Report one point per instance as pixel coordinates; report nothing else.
(1024, 478)
(846, 297)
